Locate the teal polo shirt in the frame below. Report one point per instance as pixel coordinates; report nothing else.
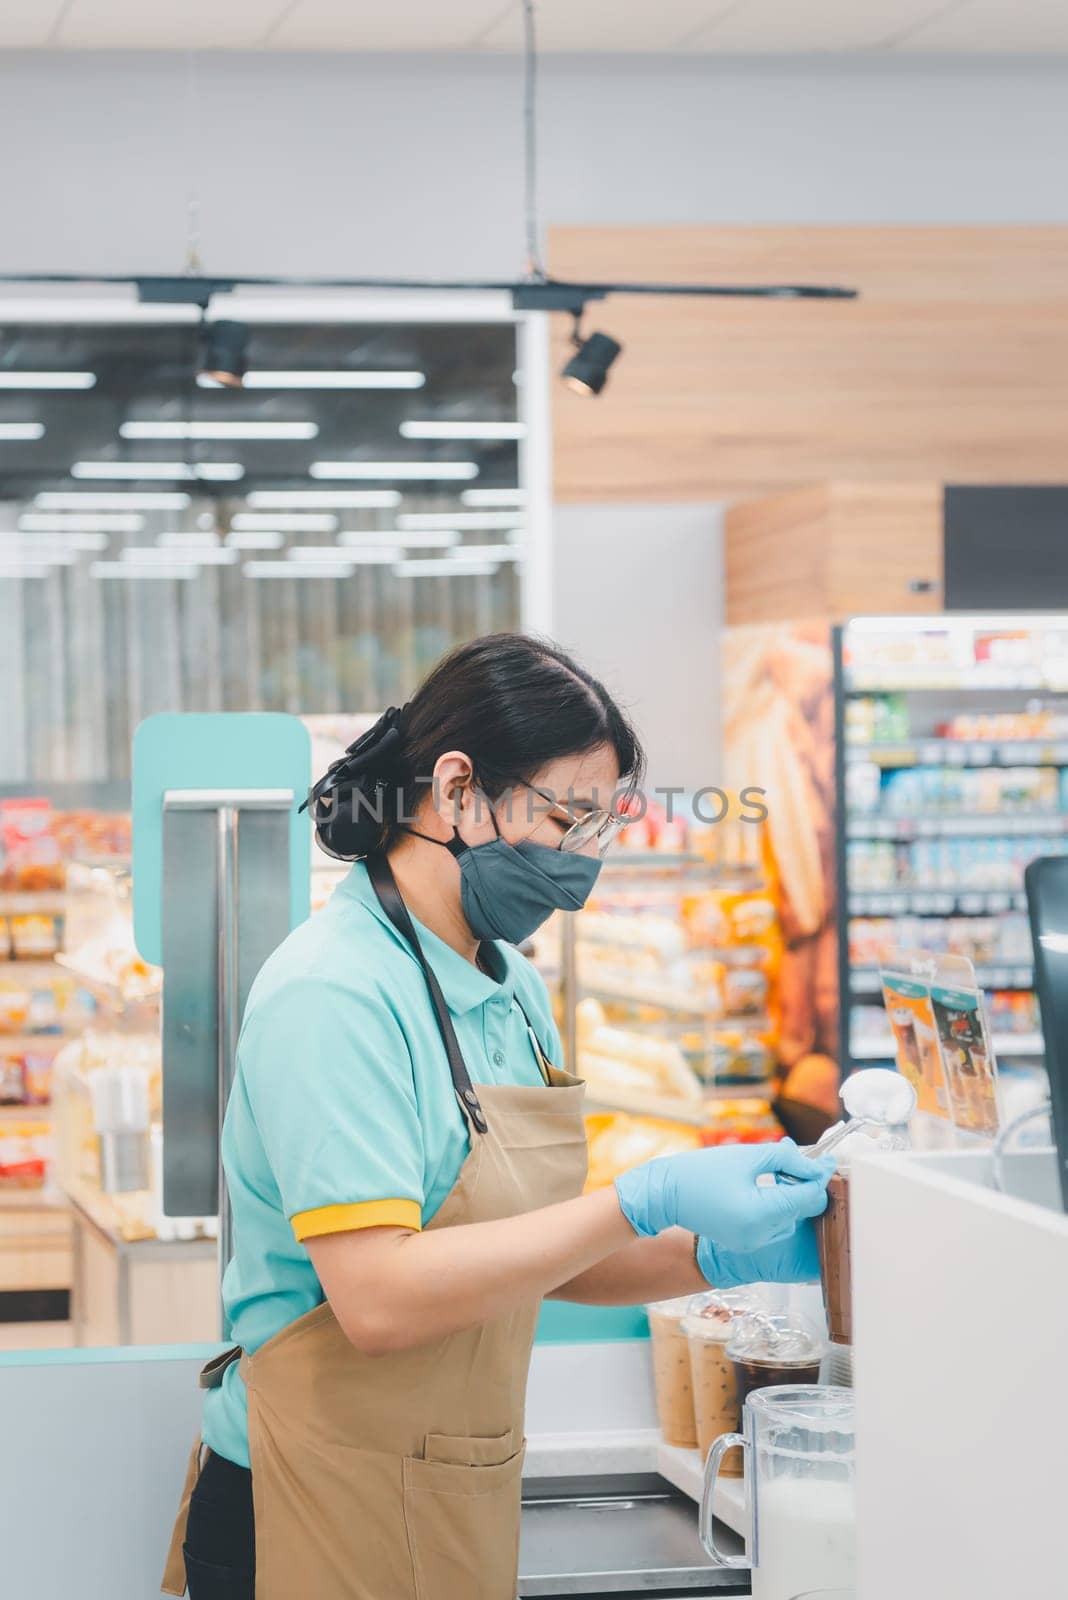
(342, 1113)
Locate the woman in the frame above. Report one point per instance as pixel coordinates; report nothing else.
(406, 1162)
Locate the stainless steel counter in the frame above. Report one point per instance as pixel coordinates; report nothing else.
(617, 1537)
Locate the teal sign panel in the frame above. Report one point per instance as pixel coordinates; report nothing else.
(213, 750)
(561, 1323)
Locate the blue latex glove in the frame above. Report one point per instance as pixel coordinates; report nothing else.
(792, 1260)
(715, 1194)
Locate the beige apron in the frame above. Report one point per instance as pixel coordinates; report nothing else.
(398, 1477)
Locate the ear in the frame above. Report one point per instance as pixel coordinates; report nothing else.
(452, 793)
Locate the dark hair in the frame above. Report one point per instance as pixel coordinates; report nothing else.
(511, 702)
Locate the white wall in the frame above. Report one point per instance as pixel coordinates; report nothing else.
(638, 596)
(410, 165)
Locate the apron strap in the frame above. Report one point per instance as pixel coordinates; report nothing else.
(389, 898)
(173, 1580)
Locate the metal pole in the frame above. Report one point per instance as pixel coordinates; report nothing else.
(229, 1018)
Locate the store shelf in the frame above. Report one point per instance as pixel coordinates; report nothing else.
(936, 902)
(41, 1113)
(45, 903)
(667, 1000)
(672, 1108)
(937, 752)
(867, 980)
(684, 1469)
(114, 995)
(35, 1041)
(973, 678)
(981, 825)
(1005, 1044)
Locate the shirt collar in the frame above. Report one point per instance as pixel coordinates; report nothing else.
(462, 983)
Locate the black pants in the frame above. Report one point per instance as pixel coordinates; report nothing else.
(220, 1541)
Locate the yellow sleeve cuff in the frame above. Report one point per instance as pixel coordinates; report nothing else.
(366, 1214)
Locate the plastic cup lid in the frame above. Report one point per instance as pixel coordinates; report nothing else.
(778, 1340)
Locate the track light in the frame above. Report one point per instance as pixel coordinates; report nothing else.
(224, 353)
(587, 371)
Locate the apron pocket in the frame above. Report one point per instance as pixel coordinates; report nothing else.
(463, 1525)
(208, 1582)
(467, 1452)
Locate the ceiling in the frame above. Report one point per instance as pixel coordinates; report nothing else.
(690, 26)
(147, 373)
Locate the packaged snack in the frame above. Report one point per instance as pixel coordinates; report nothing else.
(25, 1150)
(12, 1078)
(34, 936)
(31, 855)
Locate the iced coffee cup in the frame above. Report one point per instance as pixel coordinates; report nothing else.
(767, 1351)
(836, 1275)
(715, 1397)
(671, 1372)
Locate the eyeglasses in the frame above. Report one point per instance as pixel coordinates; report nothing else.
(604, 826)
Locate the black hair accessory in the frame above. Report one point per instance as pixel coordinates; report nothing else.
(370, 765)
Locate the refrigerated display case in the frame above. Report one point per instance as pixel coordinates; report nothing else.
(913, 767)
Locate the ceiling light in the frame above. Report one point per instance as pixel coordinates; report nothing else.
(330, 553)
(289, 522)
(493, 497)
(47, 380)
(24, 569)
(261, 379)
(458, 519)
(55, 541)
(131, 570)
(36, 552)
(219, 430)
(587, 371)
(224, 353)
(489, 552)
(431, 539)
(177, 471)
(293, 569)
(188, 541)
(284, 499)
(150, 555)
(21, 430)
(394, 469)
(445, 569)
(253, 539)
(151, 500)
(462, 430)
(80, 522)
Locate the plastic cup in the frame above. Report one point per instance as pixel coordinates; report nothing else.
(672, 1377)
(715, 1392)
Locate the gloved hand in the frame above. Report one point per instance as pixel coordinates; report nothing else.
(792, 1260)
(715, 1194)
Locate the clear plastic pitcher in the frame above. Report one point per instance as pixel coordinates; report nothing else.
(799, 1446)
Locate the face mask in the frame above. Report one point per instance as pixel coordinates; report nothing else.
(508, 890)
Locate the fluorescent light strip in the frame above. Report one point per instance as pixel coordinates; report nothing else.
(330, 553)
(418, 470)
(179, 471)
(30, 542)
(219, 430)
(149, 555)
(261, 379)
(150, 500)
(256, 539)
(459, 519)
(47, 380)
(80, 522)
(291, 522)
(19, 569)
(494, 497)
(294, 499)
(131, 570)
(21, 430)
(445, 569)
(488, 552)
(293, 569)
(34, 554)
(432, 539)
(462, 430)
(188, 541)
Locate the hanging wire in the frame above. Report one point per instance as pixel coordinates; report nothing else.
(534, 266)
(194, 265)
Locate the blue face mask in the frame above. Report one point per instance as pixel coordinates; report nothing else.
(508, 890)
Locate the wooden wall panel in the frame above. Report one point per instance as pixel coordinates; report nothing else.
(952, 367)
(833, 550)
